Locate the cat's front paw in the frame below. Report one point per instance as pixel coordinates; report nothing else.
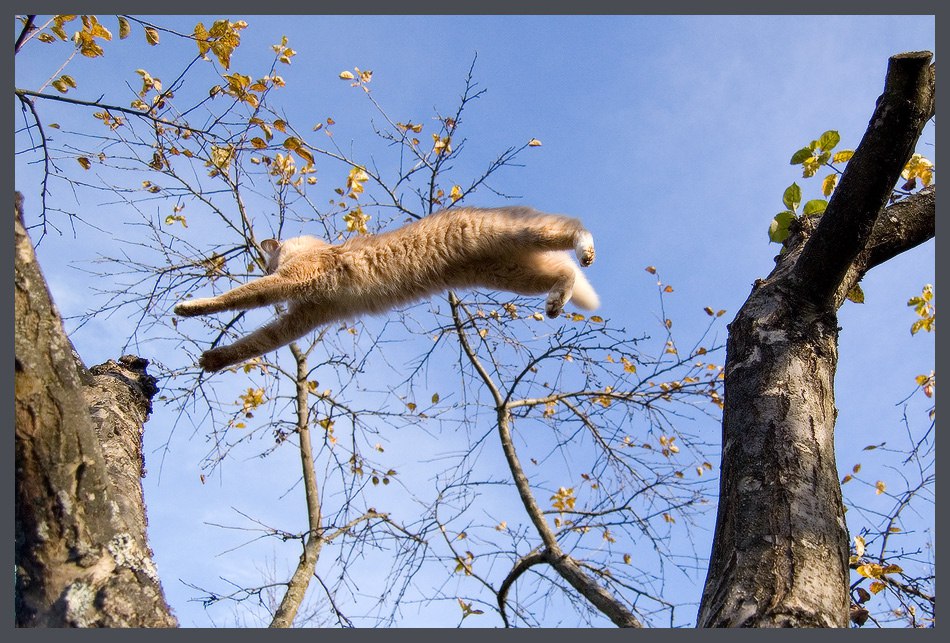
(192, 307)
(584, 248)
(214, 359)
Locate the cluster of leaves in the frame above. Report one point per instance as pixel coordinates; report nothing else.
(874, 572)
(812, 157)
(924, 306)
(819, 153)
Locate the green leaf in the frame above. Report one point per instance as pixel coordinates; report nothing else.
(792, 196)
(856, 294)
(800, 156)
(815, 207)
(829, 140)
(778, 230)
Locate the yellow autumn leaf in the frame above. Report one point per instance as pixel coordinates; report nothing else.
(441, 145)
(356, 221)
(252, 399)
(918, 167)
(124, 28)
(151, 35)
(84, 162)
(859, 546)
(628, 366)
(534, 143)
(828, 184)
(305, 154)
(842, 156)
(876, 586)
(221, 157)
(455, 193)
(879, 487)
(347, 75)
(870, 570)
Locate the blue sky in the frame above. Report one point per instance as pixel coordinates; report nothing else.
(669, 136)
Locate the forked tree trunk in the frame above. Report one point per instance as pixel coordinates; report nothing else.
(780, 552)
(81, 554)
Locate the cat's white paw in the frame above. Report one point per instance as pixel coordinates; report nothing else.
(584, 248)
(554, 305)
(192, 307)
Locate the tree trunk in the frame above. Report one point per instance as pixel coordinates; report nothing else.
(780, 552)
(82, 559)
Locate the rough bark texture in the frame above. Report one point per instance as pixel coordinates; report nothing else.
(780, 553)
(80, 545)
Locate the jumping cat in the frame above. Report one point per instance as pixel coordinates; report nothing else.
(517, 249)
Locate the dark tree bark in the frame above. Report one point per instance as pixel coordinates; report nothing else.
(82, 559)
(780, 552)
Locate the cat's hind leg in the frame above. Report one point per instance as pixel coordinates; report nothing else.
(561, 291)
(584, 247)
(557, 232)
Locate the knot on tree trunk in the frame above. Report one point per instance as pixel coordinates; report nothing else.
(131, 375)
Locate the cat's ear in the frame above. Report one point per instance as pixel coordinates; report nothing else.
(270, 246)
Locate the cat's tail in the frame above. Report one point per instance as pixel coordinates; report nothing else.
(584, 295)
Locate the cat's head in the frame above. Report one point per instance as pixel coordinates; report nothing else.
(279, 253)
